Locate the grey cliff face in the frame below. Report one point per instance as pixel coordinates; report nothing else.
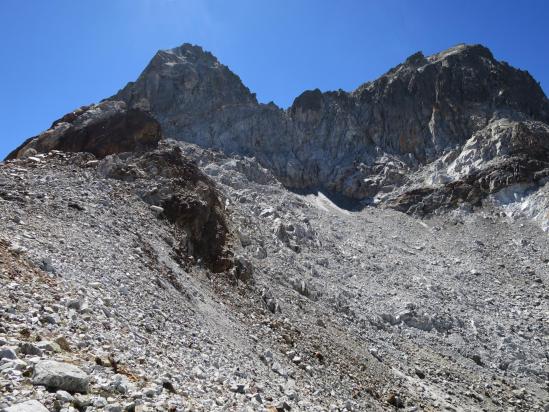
(428, 123)
(359, 144)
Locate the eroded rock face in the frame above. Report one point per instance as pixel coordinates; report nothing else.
(500, 156)
(102, 129)
(433, 132)
(185, 196)
(359, 144)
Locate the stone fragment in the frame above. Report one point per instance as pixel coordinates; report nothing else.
(63, 343)
(27, 406)
(238, 388)
(75, 304)
(51, 318)
(157, 209)
(28, 348)
(7, 352)
(14, 364)
(48, 346)
(63, 396)
(243, 269)
(57, 375)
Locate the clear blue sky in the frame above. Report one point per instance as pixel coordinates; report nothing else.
(57, 55)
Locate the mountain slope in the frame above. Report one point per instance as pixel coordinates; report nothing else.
(326, 309)
(150, 246)
(416, 112)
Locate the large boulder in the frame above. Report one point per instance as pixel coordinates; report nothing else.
(58, 375)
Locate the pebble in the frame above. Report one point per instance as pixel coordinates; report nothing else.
(7, 352)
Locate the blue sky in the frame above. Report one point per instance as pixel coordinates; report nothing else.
(57, 55)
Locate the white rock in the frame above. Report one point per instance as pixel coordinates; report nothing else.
(64, 396)
(157, 209)
(27, 406)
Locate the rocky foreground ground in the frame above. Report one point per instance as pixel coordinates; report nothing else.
(109, 303)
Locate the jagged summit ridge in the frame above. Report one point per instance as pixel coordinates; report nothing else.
(415, 113)
(364, 144)
(464, 49)
(191, 51)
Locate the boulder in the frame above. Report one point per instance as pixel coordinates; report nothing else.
(57, 375)
(27, 406)
(7, 352)
(243, 269)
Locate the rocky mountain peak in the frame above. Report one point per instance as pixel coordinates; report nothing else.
(464, 74)
(183, 83)
(375, 140)
(168, 61)
(464, 51)
(155, 255)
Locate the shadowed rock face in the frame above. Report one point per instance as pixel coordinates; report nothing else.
(102, 129)
(188, 198)
(359, 144)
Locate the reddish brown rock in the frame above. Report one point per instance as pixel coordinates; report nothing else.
(102, 129)
(186, 197)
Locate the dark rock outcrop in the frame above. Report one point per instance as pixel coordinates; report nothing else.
(102, 129)
(185, 196)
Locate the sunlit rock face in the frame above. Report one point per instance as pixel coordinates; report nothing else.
(182, 274)
(361, 144)
(445, 124)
